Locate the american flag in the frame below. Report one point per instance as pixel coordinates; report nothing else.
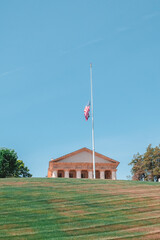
(86, 111)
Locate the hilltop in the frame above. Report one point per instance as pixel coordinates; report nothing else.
(42, 208)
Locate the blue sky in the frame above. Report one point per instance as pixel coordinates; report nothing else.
(45, 51)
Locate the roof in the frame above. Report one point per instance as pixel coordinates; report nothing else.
(85, 150)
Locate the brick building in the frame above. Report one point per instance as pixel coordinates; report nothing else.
(79, 164)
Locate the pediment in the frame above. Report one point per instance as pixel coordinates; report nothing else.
(85, 155)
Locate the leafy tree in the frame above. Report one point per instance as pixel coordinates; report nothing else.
(10, 166)
(138, 169)
(21, 170)
(8, 159)
(146, 166)
(156, 170)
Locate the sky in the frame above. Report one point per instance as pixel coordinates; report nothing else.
(46, 48)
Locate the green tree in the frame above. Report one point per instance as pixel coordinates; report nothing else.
(10, 166)
(146, 166)
(156, 170)
(149, 160)
(138, 169)
(21, 170)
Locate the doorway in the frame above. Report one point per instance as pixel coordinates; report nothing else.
(108, 174)
(60, 173)
(72, 174)
(84, 174)
(97, 174)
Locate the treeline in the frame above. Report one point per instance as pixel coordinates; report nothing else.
(146, 167)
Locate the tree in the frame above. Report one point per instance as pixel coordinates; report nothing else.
(21, 170)
(10, 166)
(138, 169)
(146, 166)
(156, 170)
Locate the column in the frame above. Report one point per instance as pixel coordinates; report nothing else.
(101, 174)
(78, 174)
(90, 174)
(114, 175)
(66, 174)
(54, 174)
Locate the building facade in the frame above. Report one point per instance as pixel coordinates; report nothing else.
(79, 164)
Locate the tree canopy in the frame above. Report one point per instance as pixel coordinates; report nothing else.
(147, 166)
(10, 166)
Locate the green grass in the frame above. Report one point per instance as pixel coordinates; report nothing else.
(41, 208)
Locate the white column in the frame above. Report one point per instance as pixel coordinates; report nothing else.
(158, 179)
(114, 175)
(90, 174)
(101, 174)
(54, 174)
(78, 174)
(66, 174)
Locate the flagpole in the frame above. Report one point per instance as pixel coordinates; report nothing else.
(93, 146)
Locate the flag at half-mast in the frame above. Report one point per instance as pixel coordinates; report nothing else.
(86, 111)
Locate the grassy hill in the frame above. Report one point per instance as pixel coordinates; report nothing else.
(68, 209)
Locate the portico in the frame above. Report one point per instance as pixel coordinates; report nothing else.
(109, 174)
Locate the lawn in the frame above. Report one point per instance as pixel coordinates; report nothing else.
(43, 208)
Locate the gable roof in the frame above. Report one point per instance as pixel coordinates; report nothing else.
(85, 150)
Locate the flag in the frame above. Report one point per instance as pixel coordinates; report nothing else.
(86, 111)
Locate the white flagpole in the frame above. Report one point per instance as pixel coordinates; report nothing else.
(93, 146)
